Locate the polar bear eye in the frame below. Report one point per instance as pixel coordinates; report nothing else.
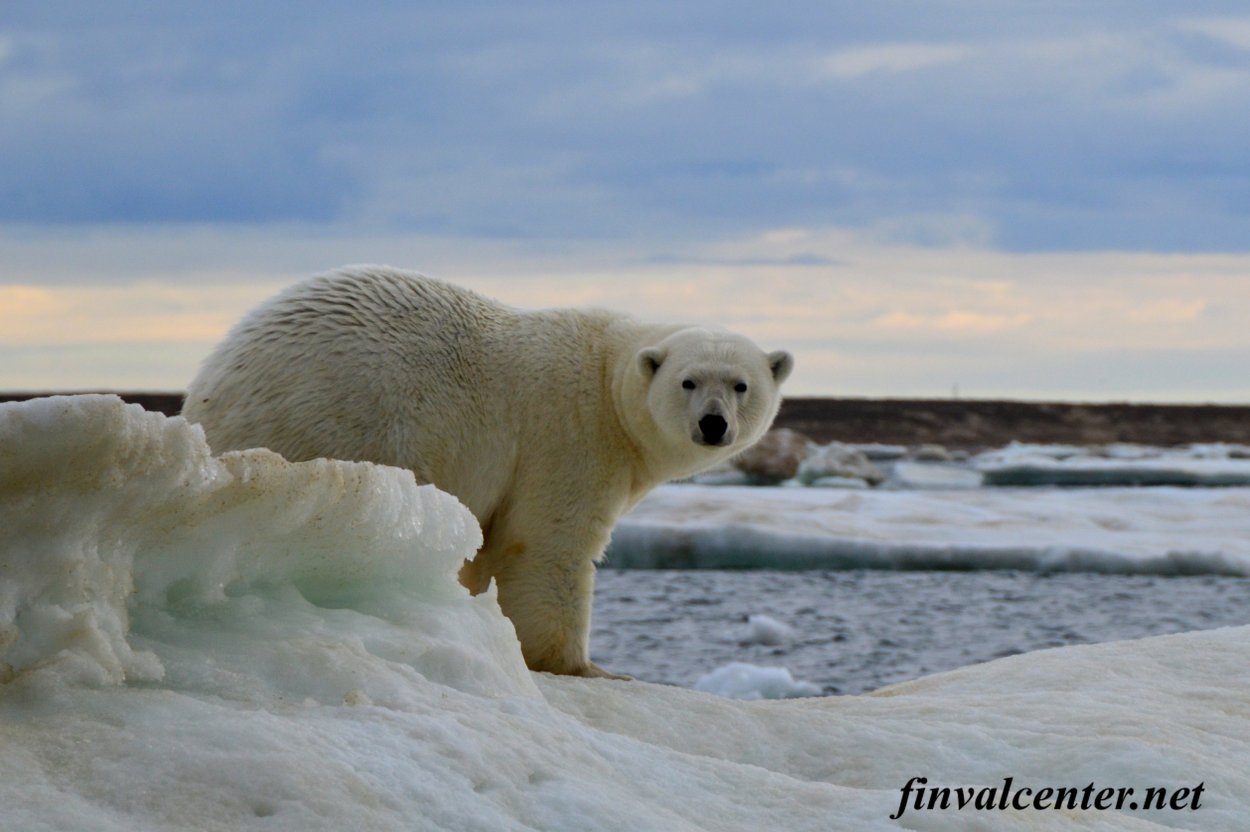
(740, 387)
(687, 385)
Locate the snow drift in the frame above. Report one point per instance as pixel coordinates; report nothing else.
(243, 643)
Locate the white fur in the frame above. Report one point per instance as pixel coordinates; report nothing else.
(547, 424)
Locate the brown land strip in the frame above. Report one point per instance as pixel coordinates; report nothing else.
(959, 423)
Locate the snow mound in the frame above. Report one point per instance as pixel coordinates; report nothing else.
(740, 680)
(245, 644)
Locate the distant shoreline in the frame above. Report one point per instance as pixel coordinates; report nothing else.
(976, 423)
(954, 423)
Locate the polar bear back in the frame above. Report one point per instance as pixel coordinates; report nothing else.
(395, 368)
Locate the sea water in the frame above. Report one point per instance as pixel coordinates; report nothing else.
(858, 630)
(927, 574)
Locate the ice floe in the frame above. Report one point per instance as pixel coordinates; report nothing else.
(248, 644)
(1123, 530)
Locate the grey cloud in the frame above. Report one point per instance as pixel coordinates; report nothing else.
(1103, 125)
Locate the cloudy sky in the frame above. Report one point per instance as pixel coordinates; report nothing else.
(1021, 199)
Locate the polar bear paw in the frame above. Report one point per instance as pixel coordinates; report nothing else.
(590, 670)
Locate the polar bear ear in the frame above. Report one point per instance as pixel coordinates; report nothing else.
(649, 360)
(781, 363)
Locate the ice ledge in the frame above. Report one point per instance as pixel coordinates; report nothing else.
(1162, 711)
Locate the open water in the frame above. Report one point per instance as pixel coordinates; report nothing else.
(859, 630)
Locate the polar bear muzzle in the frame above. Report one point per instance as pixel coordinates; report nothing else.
(713, 430)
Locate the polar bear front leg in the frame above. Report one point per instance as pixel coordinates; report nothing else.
(546, 586)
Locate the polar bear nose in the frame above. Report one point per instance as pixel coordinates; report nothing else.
(713, 428)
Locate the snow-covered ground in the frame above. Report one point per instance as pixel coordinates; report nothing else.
(1123, 530)
(249, 644)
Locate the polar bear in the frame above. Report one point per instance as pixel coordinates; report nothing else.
(548, 425)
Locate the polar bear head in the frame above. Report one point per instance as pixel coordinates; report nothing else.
(711, 394)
